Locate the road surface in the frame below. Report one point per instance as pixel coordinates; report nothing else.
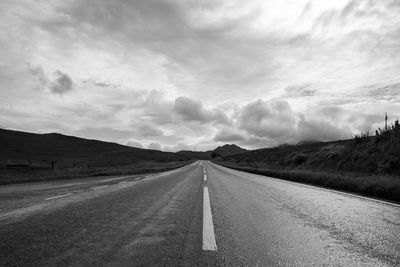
(201, 214)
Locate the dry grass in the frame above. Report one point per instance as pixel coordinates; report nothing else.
(366, 165)
(10, 176)
(378, 154)
(377, 186)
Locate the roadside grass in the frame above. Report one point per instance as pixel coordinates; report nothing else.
(378, 154)
(12, 176)
(376, 186)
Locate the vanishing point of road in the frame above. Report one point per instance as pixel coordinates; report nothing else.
(202, 214)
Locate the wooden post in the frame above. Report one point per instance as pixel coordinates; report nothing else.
(386, 118)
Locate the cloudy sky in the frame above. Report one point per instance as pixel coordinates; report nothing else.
(178, 74)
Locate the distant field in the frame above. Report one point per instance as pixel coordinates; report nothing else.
(21, 175)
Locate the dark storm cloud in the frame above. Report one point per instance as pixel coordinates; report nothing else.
(58, 83)
(190, 110)
(274, 119)
(61, 84)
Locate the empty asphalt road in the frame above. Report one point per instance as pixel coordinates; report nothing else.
(201, 214)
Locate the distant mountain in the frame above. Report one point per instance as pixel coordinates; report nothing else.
(16, 145)
(229, 150)
(224, 151)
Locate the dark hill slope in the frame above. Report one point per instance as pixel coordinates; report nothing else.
(15, 145)
(366, 165)
(369, 154)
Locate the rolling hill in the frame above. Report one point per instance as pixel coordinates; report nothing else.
(69, 150)
(366, 165)
(17, 146)
(379, 154)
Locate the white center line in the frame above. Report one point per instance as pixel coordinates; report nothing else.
(205, 177)
(95, 188)
(116, 178)
(123, 182)
(208, 226)
(49, 198)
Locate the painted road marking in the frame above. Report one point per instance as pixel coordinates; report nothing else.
(137, 179)
(208, 226)
(117, 178)
(49, 198)
(95, 188)
(123, 182)
(205, 177)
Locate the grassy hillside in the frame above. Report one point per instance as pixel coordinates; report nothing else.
(368, 165)
(36, 157)
(378, 154)
(68, 150)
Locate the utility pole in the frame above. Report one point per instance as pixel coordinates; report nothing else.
(386, 118)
